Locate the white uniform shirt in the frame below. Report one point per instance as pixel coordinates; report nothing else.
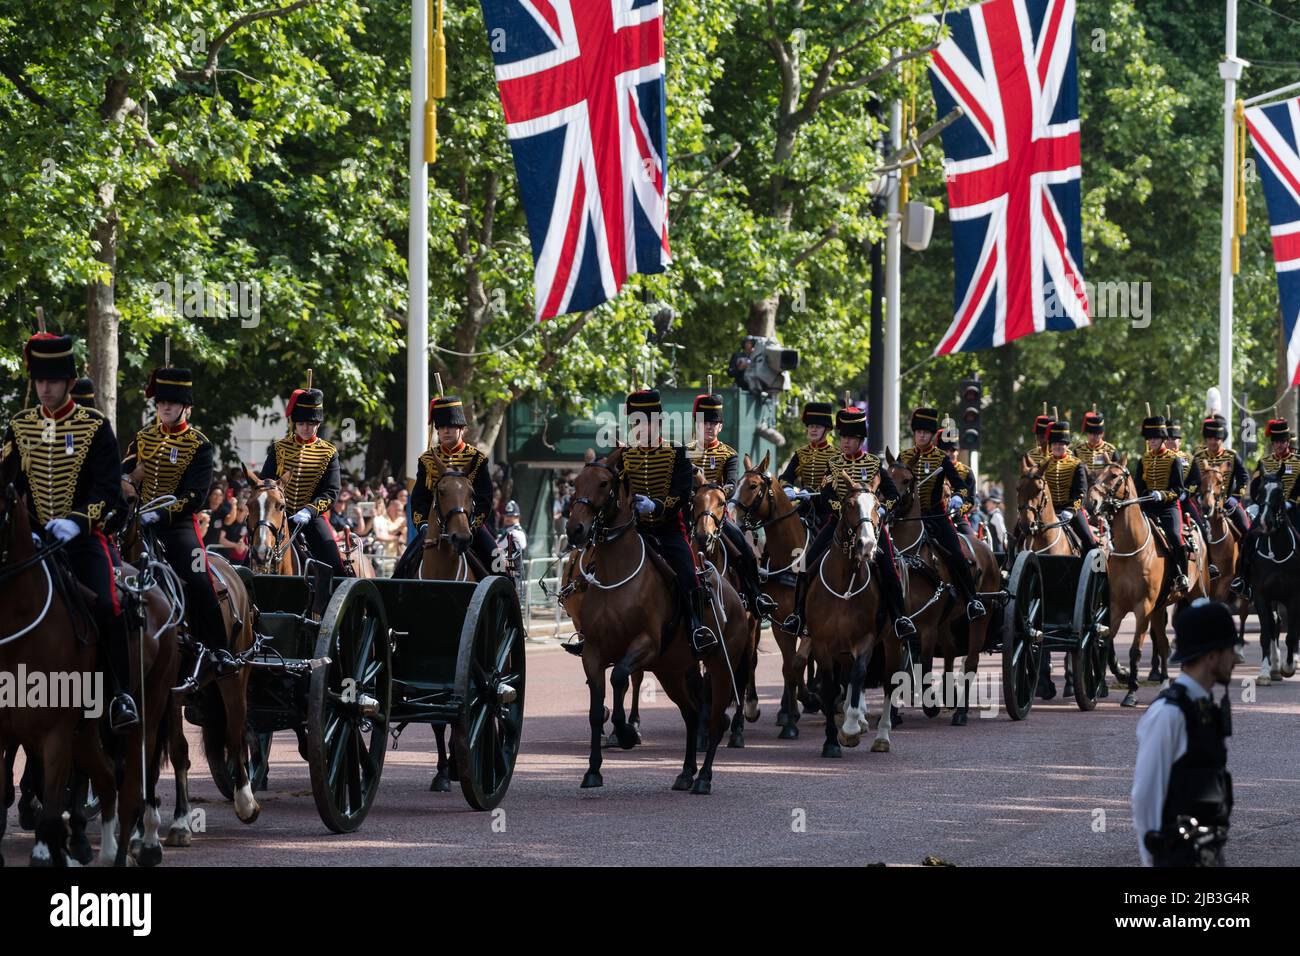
(1162, 739)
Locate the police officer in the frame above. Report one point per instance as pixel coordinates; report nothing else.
(171, 457)
(68, 467)
(863, 468)
(1181, 774)
(1159, 479)
(1067, 483)
(512, 542)
(309, 467)
(718, 461)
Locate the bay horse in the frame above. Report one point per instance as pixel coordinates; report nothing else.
(844, 614)
(1223, 544)
(1140, 569)
(269, 539)
(1275, 580)
(708, 511)
(630, 620)
(928, 591)
(761, 504)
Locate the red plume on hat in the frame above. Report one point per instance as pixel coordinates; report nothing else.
(432, 402)
(293, 400)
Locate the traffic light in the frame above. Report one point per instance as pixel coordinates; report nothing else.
(972, 398)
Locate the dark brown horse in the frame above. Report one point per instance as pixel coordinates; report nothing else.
(630, 620)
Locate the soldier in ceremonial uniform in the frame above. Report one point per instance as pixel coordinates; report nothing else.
(447, 415)
(1159, 479)
(309, 467)
(1280, 460)
(1182, 790)
(1092, 449)
(1191, 483)
(68, 467)
(719, 462)
(661, 479)
(931, 467)
(1067, 482)
(1039, 454)
(861, 467)
(83, 392)
(803, 476)
(962, 520)
(1215, 454)
(171, 457)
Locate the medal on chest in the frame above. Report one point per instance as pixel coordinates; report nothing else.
(172, 454)
(68, 447)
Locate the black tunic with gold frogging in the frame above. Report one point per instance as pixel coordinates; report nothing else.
(171, 463)
(310, 471)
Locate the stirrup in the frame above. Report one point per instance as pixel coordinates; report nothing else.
(903, 627)
(975, 609)
(766, 605)
(1182, 583)
(122, 715)
(574, 646)
(793, 623)
(1237, 586)
(702, 639)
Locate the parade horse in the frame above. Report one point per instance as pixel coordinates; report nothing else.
(1140, 570)
(1275, 580)
(271, 546)
(846, 623)
(930, 596)
(761, 504)
(708, 512)
(630, 620)
(1223, 545)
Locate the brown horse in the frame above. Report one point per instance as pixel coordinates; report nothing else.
(1224, 548)
(269, 537)
(40, 634)
(1140, 569)
(630, 621)
(762, 504)
(1038, 528)
(352, 551)
(843, 605)
(928, 592)
(708, 512)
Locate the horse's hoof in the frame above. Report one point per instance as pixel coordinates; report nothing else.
(789, 732)
(1069, 690)
(895, 718)
(1275, 674)
(1154, 677)
(848, 740)
(831, 749)
(683, 782)
(1263, 680)
(627, 737)
(702, 786)
(252, 817)
(879, 746)
(441, 783)
(1104, 690)
(813, 704)
(1130, 699)
(959, 718)
(1288, 671)
(149, 856)
(736, 741)
(782, 717)
(28, 811)
(79, 849)
(929, 710)
(1046, 691)
(178, 837)
(592, 779)
(752, 714)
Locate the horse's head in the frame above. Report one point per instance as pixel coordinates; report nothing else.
(904, 481)
(1112, 485)
(1272, 512)
(708, 512)
(858, 517)
(1214, 481)
(595, 498)
(754, 490)
(453, 503)
(1032, 498)
(268, 523)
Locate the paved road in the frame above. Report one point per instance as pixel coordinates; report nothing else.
(1049, 790)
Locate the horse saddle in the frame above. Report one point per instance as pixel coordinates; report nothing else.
(219, 583)
(1190, 535)
(657, 560)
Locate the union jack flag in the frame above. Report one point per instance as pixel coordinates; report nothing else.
(582, 87)
(1012, 165)
(1275, 131)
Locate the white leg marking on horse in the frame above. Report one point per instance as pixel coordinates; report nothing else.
(855, 717)
(886, 721)
(107, 841)
(41, 853)
(245, 805)
(152, 823)
(1265, 675)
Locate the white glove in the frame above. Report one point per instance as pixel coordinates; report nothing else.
(643, 505)
(1155, 496)
(955, 501)
(793, 493)
(63, 529)
(1253, 511)
(880, 512)
(1233, 502)
(302, 515)
(149, 518)
(1067, 515)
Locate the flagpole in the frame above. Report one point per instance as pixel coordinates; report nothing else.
(1230, 70)
(889, 410)
(417, 289)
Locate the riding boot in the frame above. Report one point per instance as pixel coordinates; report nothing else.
(892, 591)
(794, 623)
(700, 608)
(1241, 583)
(965, 582)
(122, 713)
(1181, 582)
(762, 606)
(211, 627)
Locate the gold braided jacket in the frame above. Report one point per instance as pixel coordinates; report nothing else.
(862, 470)
(1155, 468)
(52, 453)
(1092, 457)
(712, 461)
(164, 457)
(649, 472)
(1058, 474)
(1289, 467)
(813, 461)
(306, 465)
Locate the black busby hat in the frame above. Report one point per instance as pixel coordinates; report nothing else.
(83, 392)
(171, 385)
(851, 422)
(645, 401)
(50, 356)
(447, 411)
(1058, 431)
(1041, 424)
(1153, 426)
(307, 405)
(1216, 426)
(925, 420)
(1094, 423)
(708, 407)
(818, 413)
(1278, 430)
(1173, 429)
(1201, 627)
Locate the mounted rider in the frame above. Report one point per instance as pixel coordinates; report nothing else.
(718, 461)
(1092, 448)
(1040, 452)
(1159, 481)
(1066, 478)
(1191, 485)
(171, 457)
(447, 416)
(83, 392)
(1215, 454)
(661, 480)
(1279, 463)
(804, 474)
(962, 520)
(862, 468)
(930, 467)
(308, 466)
(69, 469)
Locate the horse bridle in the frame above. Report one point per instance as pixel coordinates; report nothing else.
(711, 538)
(444, 517)
(750, 511)
(601, 530)
(277, 533)
(1111, 503)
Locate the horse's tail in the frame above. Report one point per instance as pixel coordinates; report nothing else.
(162, 742)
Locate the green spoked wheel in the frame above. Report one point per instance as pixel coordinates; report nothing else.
(490, 677)
(1022, 625)
(348, 705)
(1092, 628)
